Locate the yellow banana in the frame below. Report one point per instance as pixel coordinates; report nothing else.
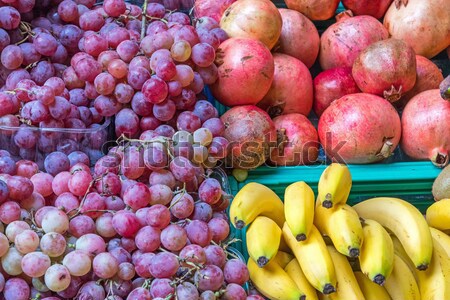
(405, 221)
(401, 284)
(442, 238)
(283, 258)
(400, 251)
(377, 252)
(252, 200)
(299, 209)
(294, 270)
(347, 285)
(273, 282)
(314, 259)
(434, 283)
(334, 186)
(341, 223)
(263, 239)
(438, 214)
(371, 290)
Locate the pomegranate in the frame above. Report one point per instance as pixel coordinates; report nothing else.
(359, 128)
(211, 8)
(331, 85)
(374, 8)
(314, 9)
(299, 37)
(386, 68)
(252, 136)
(429, 76)
(424, 25)
(298, 143)
(246, 70)
(291, 90)
(256, 19)
(426, 128)
(343, 41)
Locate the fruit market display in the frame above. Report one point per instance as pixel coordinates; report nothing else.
(380, 248)
(112, 149)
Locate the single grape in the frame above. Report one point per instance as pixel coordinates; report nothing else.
(155, 90)
(92, 244)
(215, 255)
(12, 262)
(203, 54)
(104, 84)
(114, 8)
(35, 264)
(78, 263)
(26, 241)
(68, 11)
(202, 212)
(9, 212)
(164, 265)
(91, 20)
(148, 239)
(209, 278)
(16, 289)
(234, 292)
(105, 265)
(139, 293)
(126, 271)
(208, 295)
(173, 237)
(162, 288)
(164, 111)
(187, 291)
(81, 225)
(57, 278)
(93, 205)
(45, 44)
(126, 223)
(182, 205)
(120, 254)
(12, 57)
(55, 221)
(182, 169)
(67, 202)
(91, 290)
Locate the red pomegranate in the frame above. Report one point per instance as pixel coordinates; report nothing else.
(314, 9)
(386, 68)
(429, 76)
(246, 69)
(426, 128)
(299, 37)
(251, 134)
(291, 90)
(331, 85)
(359, 129)
(211, 8)
(298, 141)
(343, 41)
(423, 25)
(255, 19)
(374, 8)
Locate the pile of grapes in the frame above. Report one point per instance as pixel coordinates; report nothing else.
(147, 221)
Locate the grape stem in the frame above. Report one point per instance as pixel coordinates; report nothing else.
(144, 19)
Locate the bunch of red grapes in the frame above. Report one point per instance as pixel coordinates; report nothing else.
(147, 220)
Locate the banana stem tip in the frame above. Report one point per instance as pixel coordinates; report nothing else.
(422, 267)
(300, 237)
(262, 261)
(239, 224)
(328, 289)
(379, 279)
(353, 252)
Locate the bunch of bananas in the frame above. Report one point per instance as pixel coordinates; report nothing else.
(381, 248)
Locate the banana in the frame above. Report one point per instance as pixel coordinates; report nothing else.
(334, 186)
(442, 238)
(283, 258)
(273, 282)
(299, 209)
(263, 239)
(347, 285)
(341, 223)
(401, 284)
(400, 251)
(314, 259)
(255, 199)
(371, 290)
(434, 283)
(438, 214)
(406, 222)
(294, 270)
(377, 252)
